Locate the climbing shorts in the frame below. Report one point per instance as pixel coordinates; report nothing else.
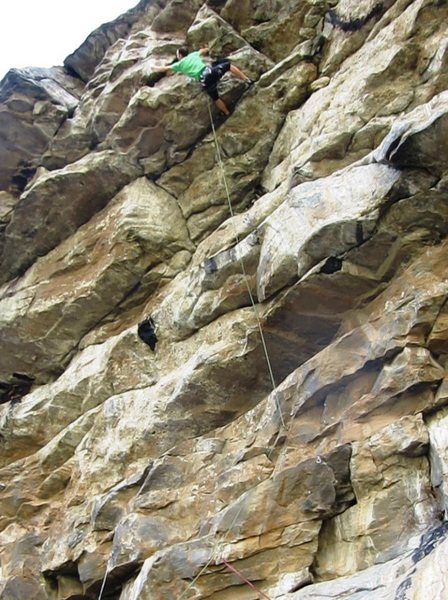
(211, 76)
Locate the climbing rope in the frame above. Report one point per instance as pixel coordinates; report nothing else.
(274, 386)
(269, 364)
(243, 268)
(246, 581)
(103, 585)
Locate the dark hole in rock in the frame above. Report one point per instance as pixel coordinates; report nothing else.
(332, 265)
(14, 390)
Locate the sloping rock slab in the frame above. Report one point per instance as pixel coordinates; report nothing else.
(95, 268)
(33, 104)
(57, 204)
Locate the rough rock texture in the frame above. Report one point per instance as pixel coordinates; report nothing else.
(291, 421)
(33, 105)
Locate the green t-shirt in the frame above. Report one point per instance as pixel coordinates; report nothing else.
(191, 65)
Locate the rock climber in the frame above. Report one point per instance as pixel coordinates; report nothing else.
(192, 65)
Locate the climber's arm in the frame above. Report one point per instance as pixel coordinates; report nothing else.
(164, 69)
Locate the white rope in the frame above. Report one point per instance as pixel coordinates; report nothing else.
(104, 581)
(243, 268)
(268, 361)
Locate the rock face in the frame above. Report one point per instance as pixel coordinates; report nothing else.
(289, 428)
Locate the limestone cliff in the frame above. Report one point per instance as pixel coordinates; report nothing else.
(291, 423)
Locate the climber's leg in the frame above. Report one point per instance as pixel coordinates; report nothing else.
(222, 106)
(239, 74)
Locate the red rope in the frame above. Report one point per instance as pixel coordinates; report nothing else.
(238, 574)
